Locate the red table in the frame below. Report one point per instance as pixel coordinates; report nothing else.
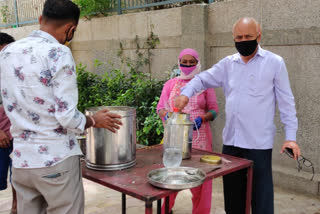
(134, 181)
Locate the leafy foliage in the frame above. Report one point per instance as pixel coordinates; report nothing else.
(133, 88)
(152, 126)
(90, 8)
(151, 42)
(4, 10)
(115, 88)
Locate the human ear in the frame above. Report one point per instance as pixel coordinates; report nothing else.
(40, 19)
(259, 37)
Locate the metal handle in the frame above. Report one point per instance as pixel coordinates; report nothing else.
(197, 131)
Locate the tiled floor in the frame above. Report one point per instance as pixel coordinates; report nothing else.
(102, 200)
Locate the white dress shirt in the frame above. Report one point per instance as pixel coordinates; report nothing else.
(251, 91)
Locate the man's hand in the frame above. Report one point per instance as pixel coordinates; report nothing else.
(181, 102)
(107, 120)
(292, 145)
(4, 140)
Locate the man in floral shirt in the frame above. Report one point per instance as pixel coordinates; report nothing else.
(5, 138)
(40, 95)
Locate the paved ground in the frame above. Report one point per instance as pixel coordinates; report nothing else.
(101, 200)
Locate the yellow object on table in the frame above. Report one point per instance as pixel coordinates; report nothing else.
(212, 159)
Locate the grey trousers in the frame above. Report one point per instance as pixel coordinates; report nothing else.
(51, 190)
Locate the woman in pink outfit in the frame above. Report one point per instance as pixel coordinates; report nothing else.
(202, 108)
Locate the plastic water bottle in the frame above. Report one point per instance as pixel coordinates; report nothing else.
(173, 141)
(172, 157)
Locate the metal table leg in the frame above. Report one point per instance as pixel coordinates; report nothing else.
(159, 206)
(148, 208)
(249, 190)
(123, 203)
(166, 205)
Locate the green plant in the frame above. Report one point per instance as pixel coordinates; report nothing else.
(90, 8)
(137, 64)
(115, 88)
(4, 13)
(133, 88)
(152, 127)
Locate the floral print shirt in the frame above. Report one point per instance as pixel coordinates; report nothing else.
(40, 96)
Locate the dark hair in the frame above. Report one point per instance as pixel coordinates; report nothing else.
(5, 39)
(61, 10)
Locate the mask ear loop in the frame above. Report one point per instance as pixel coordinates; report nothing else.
(68, 41)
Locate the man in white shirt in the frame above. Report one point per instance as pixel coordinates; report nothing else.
(40, 96)
(253, 81)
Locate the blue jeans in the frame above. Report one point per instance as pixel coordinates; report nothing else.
(5, 165)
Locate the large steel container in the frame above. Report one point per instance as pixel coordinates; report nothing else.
(112, 151)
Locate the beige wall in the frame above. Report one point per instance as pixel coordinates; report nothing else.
(100, 38)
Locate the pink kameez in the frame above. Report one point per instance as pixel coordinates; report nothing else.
(197, 106)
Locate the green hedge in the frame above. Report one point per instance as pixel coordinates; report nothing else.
(116, 88)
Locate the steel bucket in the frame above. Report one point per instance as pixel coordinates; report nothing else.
(106, 150)
(82, 143)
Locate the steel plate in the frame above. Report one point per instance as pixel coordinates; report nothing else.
(176, 178)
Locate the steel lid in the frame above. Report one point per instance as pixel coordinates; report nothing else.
(212, 159)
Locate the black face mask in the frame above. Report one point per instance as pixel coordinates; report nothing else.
(69, 39)
(187, 66)
(246, 48)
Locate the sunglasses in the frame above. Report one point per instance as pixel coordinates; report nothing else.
(301, 161)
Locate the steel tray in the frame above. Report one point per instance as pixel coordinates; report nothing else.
(176, 178)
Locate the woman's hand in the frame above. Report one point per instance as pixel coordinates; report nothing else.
(163, 113)
(198, 121)
(166, 116)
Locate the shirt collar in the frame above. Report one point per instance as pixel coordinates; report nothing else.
(45, 35)
(261, 52)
